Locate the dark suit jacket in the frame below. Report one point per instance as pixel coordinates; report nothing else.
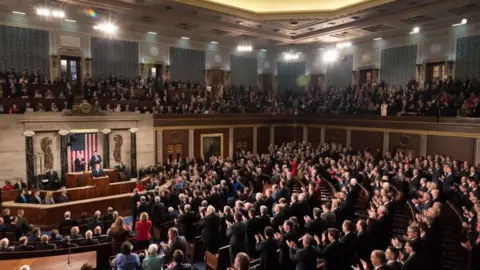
(88, 242)
(94, 223)
(332, 255)
(98, 173)
(268, 254)
(79, 167)
(349, 242)
(210, 226)
(95, 160)
(238, 237)
(34, 200)
(187, 227)
(183, 266)
(24, 248)
(19, 199)
(364, 245)
(19, 186)
(46, 246)
(179, 243)
(264, 222)
(66, 223)
(414, 262)
(306, 258)
(62, 199)
(22, 225)
(158, 213)
(394, 265)
(316, 226)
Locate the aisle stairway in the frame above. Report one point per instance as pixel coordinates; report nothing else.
(401, 220)
(455, 256)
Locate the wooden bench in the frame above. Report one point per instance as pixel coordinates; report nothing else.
(219, 261)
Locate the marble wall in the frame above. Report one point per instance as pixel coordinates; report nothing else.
(12, 142)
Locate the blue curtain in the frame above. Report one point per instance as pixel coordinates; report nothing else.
(339, 73)
(398, 65)
(24, 48)
(187, 65)
(468, 58)
(291, 76)
(114, 57)
(243, 70)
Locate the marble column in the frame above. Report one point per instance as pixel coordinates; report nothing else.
(305, 134)
(322, 135)
(272, 135)
(386, 142)
(133, 152)
(63, 155)
(160, 146)
(230, 143)
(349, 138)
(191, 153)
(423, 145)
(477, 151)
(255, 140)
(106, 147)
(29, 157)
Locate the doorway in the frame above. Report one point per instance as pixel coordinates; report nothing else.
(365, 76)
(70, 69)
(434, 71)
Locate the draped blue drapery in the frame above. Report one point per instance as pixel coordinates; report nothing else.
(114, 57)
(398, 65)
(243, 70)
(291, 76)
(339, 73)
(467, 62)
(24, 48)
(187, 65)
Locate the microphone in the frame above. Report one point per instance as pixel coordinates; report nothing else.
(69, 263)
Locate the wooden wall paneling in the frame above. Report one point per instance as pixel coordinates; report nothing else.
(404, 141)
(243, 138)
(263, 139)
(173, 138)
(198, 133)
(458, 148)
(361, 140)
(336, 136)
(314, 135)
(284, 134)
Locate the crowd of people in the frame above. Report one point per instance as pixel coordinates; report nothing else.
(224, 202)
(445, 98)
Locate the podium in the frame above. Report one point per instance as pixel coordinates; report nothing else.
(81, 179)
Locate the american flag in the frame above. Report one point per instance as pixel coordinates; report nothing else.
(83, 146)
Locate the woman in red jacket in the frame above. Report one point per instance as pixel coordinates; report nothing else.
(142, 228)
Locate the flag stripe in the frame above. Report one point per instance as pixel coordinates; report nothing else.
(83, 146)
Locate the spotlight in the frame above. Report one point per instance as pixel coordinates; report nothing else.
(378, 38)
(46, 12)
(152, 33)
(464, 21)
(415, 30)
(106, 27)
(342, 45)
(18, 12)
(330, 56)
(70, 20)
(185, 38)
(291, 56)
(214, 42)
(263, 50)
(244, 48)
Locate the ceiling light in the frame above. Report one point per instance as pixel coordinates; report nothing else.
(342, 45)
(330, 56)
(106, 27)
(464, 21)
(244, 48)
(185, 38)
(291, 56)
(70, 20)
(321, 49)
(214, 42)
(50, 12)
(378, 38)
(152, 33)
(415, 30)
(18, 12)
(263, 50)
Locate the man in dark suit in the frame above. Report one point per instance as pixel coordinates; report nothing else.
(22, 223)
(53, 180)
(79, 164)
(349, 242)
(94, 160)
(378, 261)
(317, 225)
(34, 237)
(44, 245)
(176, 242)
(267, 250)
(178, 260)
(20, 184)
(448, 182)
(89, 240)
(97, 171)
(253, 228)
(305, 258)
(95, 221)
(66, 243)
(288, 236)
(36, 199)
(364, 241)
(414, 260)
(237, 232)
(63, 197)
(22, 197)
(23, 245)
(210, 226)
(133, 206)
(186, 223)
(332, 253)
(158, 212)
(392, 254)
(67, 222)
(264, 219)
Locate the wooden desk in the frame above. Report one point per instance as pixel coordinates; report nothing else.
(78, 179)
(112, 174)
(49, 216)
(101, 181)
(96, 191)
(53, 262)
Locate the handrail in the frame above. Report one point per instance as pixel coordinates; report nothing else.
(461, 218)
(333, 190)
(299, 181)
(412, 211)
(398, 193)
